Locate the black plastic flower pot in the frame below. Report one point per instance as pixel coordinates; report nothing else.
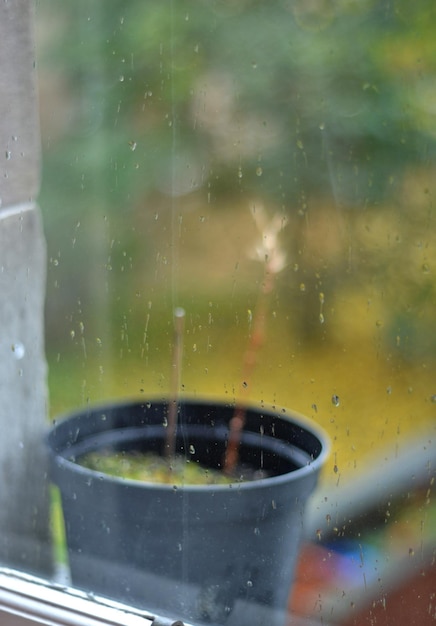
(220, 554)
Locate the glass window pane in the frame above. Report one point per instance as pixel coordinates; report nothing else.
(238, 206)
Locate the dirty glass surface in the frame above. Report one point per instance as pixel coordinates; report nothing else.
(269, 167)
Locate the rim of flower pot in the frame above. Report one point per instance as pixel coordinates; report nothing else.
(307, 424)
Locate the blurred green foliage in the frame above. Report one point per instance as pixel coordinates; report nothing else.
(330, 93)
(299, 104)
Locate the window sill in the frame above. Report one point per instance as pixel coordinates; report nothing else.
(25, 601)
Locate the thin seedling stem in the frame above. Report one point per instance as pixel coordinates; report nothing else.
(257, 339)
(176, 371)
(274, 259)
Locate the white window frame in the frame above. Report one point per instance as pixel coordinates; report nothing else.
(26, 600)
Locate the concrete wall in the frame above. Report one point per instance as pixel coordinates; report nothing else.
(24, 522)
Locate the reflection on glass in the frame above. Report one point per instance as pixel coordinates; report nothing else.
(166, 128)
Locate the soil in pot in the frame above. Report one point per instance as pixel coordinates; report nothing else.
(153, 468)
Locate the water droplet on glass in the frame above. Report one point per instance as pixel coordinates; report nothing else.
(165, 422)
(240, 173)
(132, 145)
(121, 79)
(321, 318)
(426, 268)
(302, 287)
(335, 400)
(322, 126)
(18, 350)
(8, 155)
(259, 171)
(191, 449)
(257, 531)
(249, 583)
